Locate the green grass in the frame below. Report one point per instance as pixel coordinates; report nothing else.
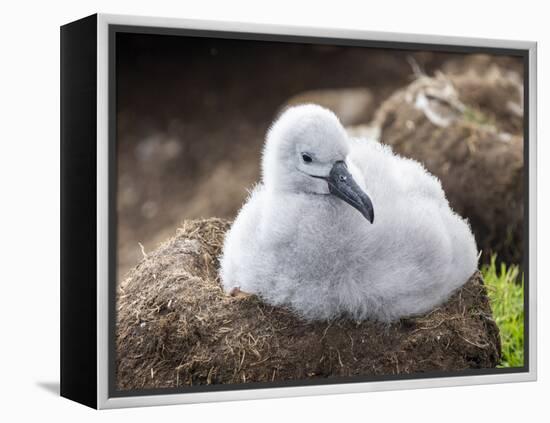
(506, 296)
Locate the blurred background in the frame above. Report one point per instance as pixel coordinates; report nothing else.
(192, 114)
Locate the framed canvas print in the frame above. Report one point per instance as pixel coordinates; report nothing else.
(253, 211)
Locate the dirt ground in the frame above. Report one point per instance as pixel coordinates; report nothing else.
(177, 328)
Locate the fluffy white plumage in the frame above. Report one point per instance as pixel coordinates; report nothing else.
(296, 244)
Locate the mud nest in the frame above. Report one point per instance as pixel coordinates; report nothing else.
(176, 327)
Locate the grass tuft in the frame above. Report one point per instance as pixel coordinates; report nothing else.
(506, 296)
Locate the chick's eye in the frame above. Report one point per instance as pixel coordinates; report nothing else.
(306, 158)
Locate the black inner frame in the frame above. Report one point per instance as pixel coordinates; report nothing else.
(113, 174)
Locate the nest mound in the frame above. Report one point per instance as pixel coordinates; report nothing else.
(467, 129)
(176, 327)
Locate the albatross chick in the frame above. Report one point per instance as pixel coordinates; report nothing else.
(344, 227)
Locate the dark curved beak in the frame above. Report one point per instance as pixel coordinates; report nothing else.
(342, 185)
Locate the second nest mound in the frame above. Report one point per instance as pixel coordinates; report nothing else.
(176, 327)
(466, 129)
